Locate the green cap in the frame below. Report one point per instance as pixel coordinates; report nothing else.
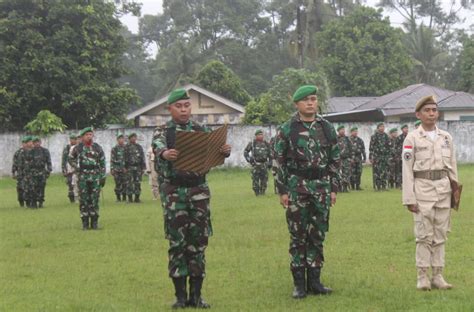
(393, 130)
(28, 138)
(176, 95)
(404, 126)
(354, 129)
(85, 130)
(72, 136)
(258, 132)
(303, 92)
(120, 136)
(340, 127)
(35, 138)
(380, 124)
(133, 134)
(24, 139)
(417, 123)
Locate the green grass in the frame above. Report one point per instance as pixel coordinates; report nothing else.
(47, 263)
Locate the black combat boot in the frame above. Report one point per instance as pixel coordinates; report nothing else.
(299, 291)
(130, 199)
(34, 204)
(119, 199)
(124, 197)
(195, 300)
(180, 293)
(85, 223)
(137, 198)
(22, 203)
(40, 204)
(358, 187)
(71, 198)
(314, 283)
(95, 222)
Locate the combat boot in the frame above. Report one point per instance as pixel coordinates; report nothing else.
(314, 284)
(180, 292)
(119, 199)
(358, 187)
(130, 199)
(22, 203)
(423, 281)
(40, 204)
(34, 205)
(85, 223)
(95, 222)
(195, 299)
(137, 198)
(299, 291)
(438, 281)
(71, 198)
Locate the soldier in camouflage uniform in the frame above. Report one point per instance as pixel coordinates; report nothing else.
(135, 166)
(358, 158)
(392, 161)
(379, 153)
(64, 166)
(274, 164)
(258, 154)
(345, 148)
(40, 170)
(117, 168)
(398, 155)
(18, 168)
(308, 163)
(88, 161)
(27, 177)
(185, 200)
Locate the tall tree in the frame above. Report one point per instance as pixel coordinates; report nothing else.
(64, 56)
(363, 55)
(466, 65)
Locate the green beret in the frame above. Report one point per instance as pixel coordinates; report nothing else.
(258, 132)
(35, 138)
(404, 126)
(24, 139)
(430, 99)
(393, 130)
(120, 136)
(176, 95)
(354, 129)
(85, 130)
(72, 136)
(417, 123)
(133, 134)
(340, 127)
(303, 92)
(380, 124)
(28, 138)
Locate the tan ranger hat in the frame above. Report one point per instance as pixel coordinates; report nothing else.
(429, 99)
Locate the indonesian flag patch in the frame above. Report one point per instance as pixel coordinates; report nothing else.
(407, 152)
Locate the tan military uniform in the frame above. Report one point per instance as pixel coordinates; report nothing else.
(428, 166)
(152, 174)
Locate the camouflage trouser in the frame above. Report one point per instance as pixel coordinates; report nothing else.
(398, 173)
(356, 172)
(89, 192)
(380, 174)
(121, 182)
(259, 178)
(28, 188)
(392, 173)
(39, 185)
(134, 181)
(187, 227)
(20, 189)
(308, 221)
(70, 186)
(346, 172)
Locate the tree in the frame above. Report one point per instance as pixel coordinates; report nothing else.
(363, 55)
(64, 56)
(466, 64)
(276, 106)
(218, 78)
(45, 124)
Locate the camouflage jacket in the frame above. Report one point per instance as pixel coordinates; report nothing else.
(345, 146)
(393, 151)
(258, 152)
(41, 160)
(398, 149)
(64, 158)
(117, 158)
(358, 149)
(379, 146)
(18, 163)
(307, 148)
(164, 137)
(88, 160)
(134, 156)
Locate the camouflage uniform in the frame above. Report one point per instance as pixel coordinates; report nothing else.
(358, 157)
(345, 148)
(117, 168)
(88, 162)
(185, 200)
(66, 173)
(135, 165)
(379, 153)
(392, 163)
(258, 154)
(40, 171)
(28, 182)
(308, 163)
(398, 160)
(18, 169)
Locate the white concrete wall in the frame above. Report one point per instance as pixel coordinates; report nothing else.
(238, 136)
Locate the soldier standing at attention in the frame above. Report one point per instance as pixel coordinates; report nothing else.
(429, 164)
(358, 157)
(117, 168)
(345, 150)
(185, 200)
(398, 153)
(88, 161)
(308, 163)
(392, 162)
(64, 166)
(18, 169)
(28, 183)
(379, 152)
(258, 154)
(41, 169)
(135, 167)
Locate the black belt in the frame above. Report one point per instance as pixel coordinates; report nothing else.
(309, 174)
(89, 167)
(187, 181)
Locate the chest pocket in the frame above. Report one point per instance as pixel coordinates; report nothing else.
(422, 158)
(446, 153)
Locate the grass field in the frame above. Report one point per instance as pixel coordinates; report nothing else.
(47, 263)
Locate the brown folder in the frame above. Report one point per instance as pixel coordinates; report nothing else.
(199, 151)
(456, 190)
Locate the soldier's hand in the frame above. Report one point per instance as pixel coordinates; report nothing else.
(284, 200)
(413, 208)
(225, 149)
(333, 198)
(170, 154)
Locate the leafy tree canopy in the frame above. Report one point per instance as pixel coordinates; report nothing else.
(45, 124)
